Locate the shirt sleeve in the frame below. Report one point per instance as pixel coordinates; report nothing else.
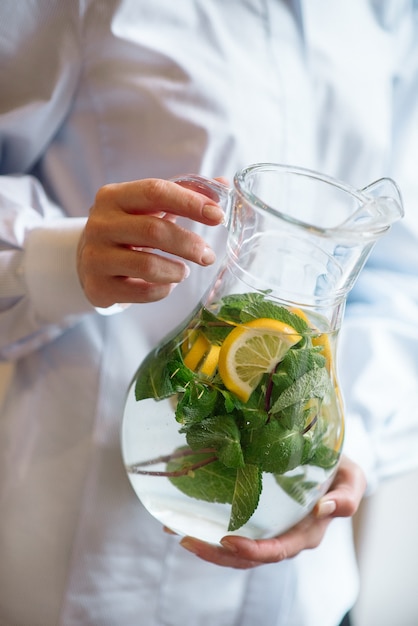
(378, 371)
(378, 346)
(40, 294)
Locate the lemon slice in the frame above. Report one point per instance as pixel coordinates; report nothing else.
(251, 350)
(210, 363)
(196, 353)
(202, 356)
(321, 340)
(324, 343)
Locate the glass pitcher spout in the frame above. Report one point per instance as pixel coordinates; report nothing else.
(382, 207)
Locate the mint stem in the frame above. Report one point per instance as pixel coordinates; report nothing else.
(269, 390)
(310, 425)
(135, 468)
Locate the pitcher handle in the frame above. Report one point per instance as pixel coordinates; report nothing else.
(213, 189)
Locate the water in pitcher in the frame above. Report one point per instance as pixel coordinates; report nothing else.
(235, 426)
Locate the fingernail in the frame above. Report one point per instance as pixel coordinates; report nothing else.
(208, 256)
(231, 547)
(186, 272)
(325, 508)
(189, 545)
(213, 212)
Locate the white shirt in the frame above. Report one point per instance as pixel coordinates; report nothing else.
(94, 92)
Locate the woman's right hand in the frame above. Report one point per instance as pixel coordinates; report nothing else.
(117, 257)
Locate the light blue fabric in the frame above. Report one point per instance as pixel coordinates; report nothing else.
(93, 92)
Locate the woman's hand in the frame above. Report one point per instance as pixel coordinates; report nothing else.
(342, 500)
(117, 257)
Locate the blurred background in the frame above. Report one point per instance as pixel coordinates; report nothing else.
(386, 530)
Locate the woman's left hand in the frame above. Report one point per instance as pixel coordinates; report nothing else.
(342, 500)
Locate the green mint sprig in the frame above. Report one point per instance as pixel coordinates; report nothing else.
(230, 444)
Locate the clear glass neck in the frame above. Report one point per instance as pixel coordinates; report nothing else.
(299, 234)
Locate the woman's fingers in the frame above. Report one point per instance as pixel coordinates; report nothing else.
(130, 224)
(151, 232)
(129, 290)
(155, 195)
(342, 500)
(345, 494)
(145, 264)
(243, 553)
(133, 276)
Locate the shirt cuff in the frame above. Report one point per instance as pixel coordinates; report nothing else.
(50, 270)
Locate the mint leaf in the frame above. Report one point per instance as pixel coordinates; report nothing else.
(219, 432)
(212, 483)
(254, 414)
(294, 417)
(297, 362)
(297, 488)
(273, 448)
(195, 403)
(244, 307)
(154, 378)
(233, 305)
(246, 496)
(324, 457)
(214, 328)
(315, 383)
(267, 308)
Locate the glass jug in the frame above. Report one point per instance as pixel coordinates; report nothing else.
(234, 424)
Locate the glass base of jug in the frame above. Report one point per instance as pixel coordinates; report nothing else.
(149, 432)
(276, 513)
